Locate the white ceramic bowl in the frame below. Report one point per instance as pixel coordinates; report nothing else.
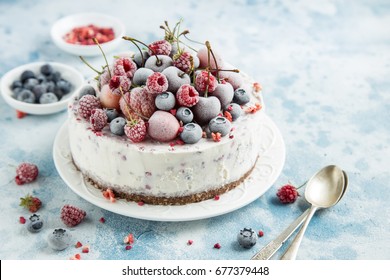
(68, 73)
(66, 24)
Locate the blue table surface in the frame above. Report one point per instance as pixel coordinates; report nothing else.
(324, 67)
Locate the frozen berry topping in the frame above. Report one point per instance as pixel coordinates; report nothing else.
(26, 173)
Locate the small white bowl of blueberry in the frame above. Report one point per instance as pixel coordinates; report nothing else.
(40, 88)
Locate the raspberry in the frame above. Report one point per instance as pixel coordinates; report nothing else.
(98, 119)
(26, 173)
(86, 104)
(71, 215)
(187, 96)
(22, 220)
(31, 203)
(184, 61)
(156, 83)
(140, 101)
(287, 194)
(160, 47)
(205, 81)
(124, 66)
(119, 84)
(136, 132)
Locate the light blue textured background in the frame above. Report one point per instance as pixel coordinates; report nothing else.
(325, 69)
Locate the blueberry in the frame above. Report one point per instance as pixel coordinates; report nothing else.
(117, 126)
(191, 133)
(87, 90)
(50, 86)
(34, 223)
(46, 69)
(55, 76)
(28, 74)
(235, 110)
(48, 97)
(26, 96)
(247, 238)
(221, 125)
(41, 78)
(38, 90)
(184, 114)
(111, 114)
(30, 83)
(241, 97)
(59, 239)
(16, 91)
(165, 101)
(64, 86)
(16, 84)
(58, 92)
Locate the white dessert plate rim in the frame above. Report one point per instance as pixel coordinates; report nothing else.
(267, 170)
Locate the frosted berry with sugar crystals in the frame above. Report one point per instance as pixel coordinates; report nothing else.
(138, 58)
(224, 92)
(187, 96)
(98, 119)
(86, 104)
(124, 66)
(72, 215)
(184, 61)
(111, 113)
(206, 109)
(163, 126)
(26, 96)
(205, 81)
(160, 47)
(47, 98)
(26, 173)
(140, 101)
(119, 84)
(156, 83)
(136, 131)
(234, 110)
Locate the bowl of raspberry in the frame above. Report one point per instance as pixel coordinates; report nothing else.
(40, 88)
(78, 33)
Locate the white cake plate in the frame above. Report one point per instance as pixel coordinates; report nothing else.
(264, 175)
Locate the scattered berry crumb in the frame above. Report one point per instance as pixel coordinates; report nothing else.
(76, 257)
(216, 197)
(129, 239)
(22, 220)
(216, 136)
(26, 173)
(141, 203)
(257, 87)
(217, 246)
(20, 114)
(189, 242)
(85, 249)
(261, 233)
(78, 244)
(128, 247)
(109, 194)
(102, 220)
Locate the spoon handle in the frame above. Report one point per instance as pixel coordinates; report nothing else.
(292, 250)
(270, 249)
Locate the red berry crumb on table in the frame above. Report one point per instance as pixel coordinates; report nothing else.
(22, 220)
(217, 246)
(287, 194)
(189, 242)
(102, 220)
(26, 173)
(78, 244)
(261, 233)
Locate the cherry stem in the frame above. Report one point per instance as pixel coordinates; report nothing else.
(302, 185)
(89, 65)
(128, 109)
(138, 41)
(104, 55)
(215, 60)
(208, 68)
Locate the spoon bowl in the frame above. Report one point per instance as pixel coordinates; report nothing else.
(323, 190)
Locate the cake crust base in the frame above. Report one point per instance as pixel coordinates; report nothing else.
(182, 200)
